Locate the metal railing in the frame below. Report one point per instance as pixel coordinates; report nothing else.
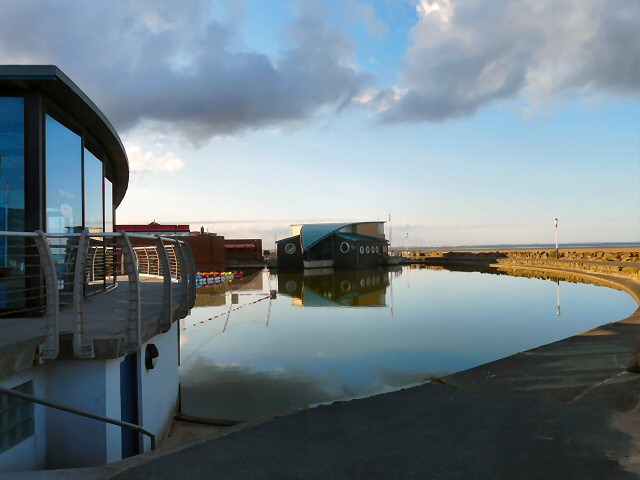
(32, 398)
(44, 274)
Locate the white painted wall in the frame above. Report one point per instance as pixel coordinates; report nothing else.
(159, 386)
(113, 410)
(31, 453)
(64, 440)
(90, 386)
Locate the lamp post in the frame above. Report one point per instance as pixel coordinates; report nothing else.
(557, 251)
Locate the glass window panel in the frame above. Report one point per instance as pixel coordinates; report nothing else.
(12, 202)
(17, 417)
(108, 201)
(93, 220)
(111, 258)
(93, 186)
(63, 157)
(63, 178)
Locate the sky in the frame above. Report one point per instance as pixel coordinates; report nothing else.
(464, 121)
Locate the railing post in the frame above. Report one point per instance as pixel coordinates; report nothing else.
(192, 274)
(167, 298)
(133, 330)
(146, 255)
(93, 252)
(80, 348)
(184, 285)
(51, 344)
(157, 260)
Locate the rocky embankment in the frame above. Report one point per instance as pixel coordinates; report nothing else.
(618, 262)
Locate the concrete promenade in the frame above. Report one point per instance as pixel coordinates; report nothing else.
(566, 410)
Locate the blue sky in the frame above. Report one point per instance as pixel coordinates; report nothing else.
(468, 122)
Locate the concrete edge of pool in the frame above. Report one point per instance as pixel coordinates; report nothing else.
(562, 410)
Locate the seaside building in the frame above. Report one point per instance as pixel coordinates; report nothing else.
(333, 245)
(154, 228)
(88, 317)
(242, 252)
(211, 251)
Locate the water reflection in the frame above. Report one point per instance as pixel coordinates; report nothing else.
(329, 288)
(558, 310)
(246, 355)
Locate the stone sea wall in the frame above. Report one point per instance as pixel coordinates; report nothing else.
(625, 263)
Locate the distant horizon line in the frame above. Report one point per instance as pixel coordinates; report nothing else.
(521, 245)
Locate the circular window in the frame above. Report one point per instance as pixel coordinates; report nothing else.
(367, 249)
(361, 249)
(345, 286)
(290, 248)
(377, 249)
(368, 281)
(344, 247)
(291, 286)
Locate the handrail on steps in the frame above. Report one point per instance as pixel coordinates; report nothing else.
(25, 396)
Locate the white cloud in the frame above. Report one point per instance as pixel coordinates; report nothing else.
(150, 162)
(467, 55)
(379, 100)
(441, 8)
(182, 63)
(182, 66)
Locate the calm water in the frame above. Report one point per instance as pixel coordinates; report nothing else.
(342, 335)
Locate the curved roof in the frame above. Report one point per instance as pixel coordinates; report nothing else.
(61, 89)
(313, 233)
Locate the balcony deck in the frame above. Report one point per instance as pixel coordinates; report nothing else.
(155, 287)
(107, 319)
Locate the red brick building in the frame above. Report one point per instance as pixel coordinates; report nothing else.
(212, 252)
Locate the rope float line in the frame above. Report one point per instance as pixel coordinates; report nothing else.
(227, 313)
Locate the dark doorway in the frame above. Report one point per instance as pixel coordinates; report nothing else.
(129, 404)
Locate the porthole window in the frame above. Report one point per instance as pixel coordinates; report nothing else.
(345, 286)
(361, 249)
(384, 249)
(344, 247)
(377, 249)
(367, 249)
(290, 248)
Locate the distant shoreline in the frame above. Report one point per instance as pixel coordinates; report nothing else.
(523, 246)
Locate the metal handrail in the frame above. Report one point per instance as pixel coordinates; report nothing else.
(132, 263)
(32, 398)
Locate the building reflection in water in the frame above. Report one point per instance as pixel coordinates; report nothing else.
(329, 288)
